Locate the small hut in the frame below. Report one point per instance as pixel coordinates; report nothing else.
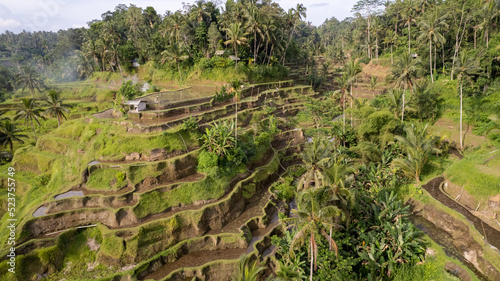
(136, 105)
(135, 63)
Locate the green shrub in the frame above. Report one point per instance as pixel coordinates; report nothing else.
(190, 124)
(207, 160)
(128, 91)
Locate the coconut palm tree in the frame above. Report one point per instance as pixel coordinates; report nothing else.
(409, 17)
(317, 160)
(236, 99)
(352, 68)
(174, 53)
(253, 25)
(236, 37)
(430, 30)
(29, 112)
(466, 65)
(56, 106)
(343, 83)
(29, 78)
(198, 10)
(338, 176)
(310, 221)
(419, 145)
(134, 20)
(295, 14)
(171, 26)
(395, 101)
(405, 72)
(390, 39)
(9, 134)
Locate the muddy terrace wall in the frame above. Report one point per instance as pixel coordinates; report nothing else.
(452, 233)
(158, 235)
(198, 222)
(222, 112)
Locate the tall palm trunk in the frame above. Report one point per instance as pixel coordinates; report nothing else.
(430, 60)
(58, 119)
(461, 114)
(351, 105)
(236, 126)
(392, 60)
(312, 257)
(179, 68)
(435, 57)
(343, 111)
(11, 148)
(409, 41)
(236, 56)
(403, 109)
(288, 43)
(255, 47)
(33, 128)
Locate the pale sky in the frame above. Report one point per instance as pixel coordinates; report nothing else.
(52, 15)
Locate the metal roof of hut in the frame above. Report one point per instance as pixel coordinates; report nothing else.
(235, 58)
(134, 102)
(219, 52)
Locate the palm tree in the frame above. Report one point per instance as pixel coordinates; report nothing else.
(236, 37)
(29, 78)
(172, 26)
(134, 20)
(466, 65)
(174, 53)
(409, 17)
(248, 271)
(310, 222)
(405, 72)
(9, 134)
(56, 106)
(198, 10)
(395, 101)
(489, 12)
(29, 112)
(343, 83)
(341, 197)
(429, 28)
(253, 25)
(317, 160)
(419, 146)
(236, 99)
(85, 66)
(296, 15)
(352, 68)
(390, 39)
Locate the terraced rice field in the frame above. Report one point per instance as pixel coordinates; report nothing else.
(154, 222)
